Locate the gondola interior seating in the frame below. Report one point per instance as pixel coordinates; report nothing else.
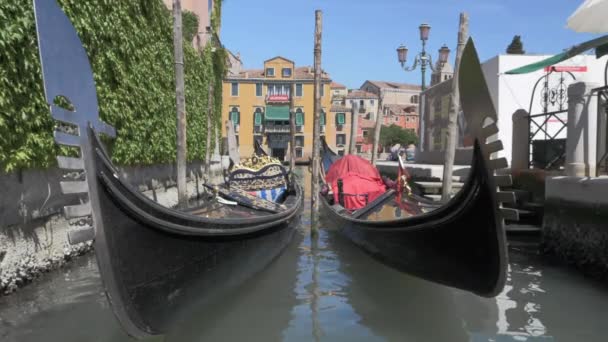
(355, 182)
(269, 182)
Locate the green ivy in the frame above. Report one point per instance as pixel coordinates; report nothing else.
(190, 25)
(130, 46)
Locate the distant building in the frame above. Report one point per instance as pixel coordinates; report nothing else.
(442, 73)
(234, 63)
(258, 100)
(393, 92)
(203, 10)
(404, 116)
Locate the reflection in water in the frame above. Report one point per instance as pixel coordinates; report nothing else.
(328, 290)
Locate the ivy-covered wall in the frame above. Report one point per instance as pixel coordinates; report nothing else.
(130, 46)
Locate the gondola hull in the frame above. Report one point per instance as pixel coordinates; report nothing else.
(151, 273)
(460, 244)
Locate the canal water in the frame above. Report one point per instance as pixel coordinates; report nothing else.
(325, 289)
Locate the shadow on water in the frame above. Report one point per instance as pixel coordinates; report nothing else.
(326, 289)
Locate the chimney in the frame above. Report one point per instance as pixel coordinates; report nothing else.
(309, 70)
(246, 74)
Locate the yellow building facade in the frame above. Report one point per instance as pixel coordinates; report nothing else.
(257, 101)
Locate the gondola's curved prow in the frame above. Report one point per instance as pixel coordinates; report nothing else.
(258, 149)
(150, 257)
(462, 243)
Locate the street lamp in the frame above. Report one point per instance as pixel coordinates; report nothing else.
(423, 58)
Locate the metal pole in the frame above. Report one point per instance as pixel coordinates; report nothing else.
(208, 150)
(450, 148)
(316, 144)
(292, 129)
(377, 128)
(423, 65)
(182, 191)
(354, 123)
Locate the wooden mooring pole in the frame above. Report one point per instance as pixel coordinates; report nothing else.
(450, 148)
(377, 128)
(208, 150)
(354, 123)
(316, 144)
(292, 129)
(178, 40)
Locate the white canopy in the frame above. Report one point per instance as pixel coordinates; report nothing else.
(590, 17)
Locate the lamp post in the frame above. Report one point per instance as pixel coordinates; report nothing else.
(422, 58)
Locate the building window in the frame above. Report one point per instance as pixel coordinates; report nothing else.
(235, 116)
(270, 72)
(257, 117)
(365, 133)
(258, 89)
(340, 119)
(299, 90)
(340, 139)
(414, 99)
(299, 117)
(371, 102)
(340, 152)
(286, 72)
(299, 141)
(358, 148)
(323, 118)
(235, 89)
(361, 103)
(396, 119)
(299, 153)
(322, 90)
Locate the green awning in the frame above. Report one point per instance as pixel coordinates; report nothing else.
(299, 118)
(598, 43)
(340, 118)
(257, 119)
(277, 113)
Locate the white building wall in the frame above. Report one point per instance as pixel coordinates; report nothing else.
(514, 91)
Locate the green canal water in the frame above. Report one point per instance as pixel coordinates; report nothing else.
(327, 290)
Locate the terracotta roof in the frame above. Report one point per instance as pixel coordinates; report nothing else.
(364, 123)
(402, 109)
(336, 85)
(339, 109)
(300, 73)
(360, 94)
(395, 85)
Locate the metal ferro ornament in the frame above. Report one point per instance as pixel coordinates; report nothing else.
(67, 75)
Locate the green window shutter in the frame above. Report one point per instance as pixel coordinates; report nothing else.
(322, 119)
(341, 118)
(257, 119)
(299, 119)
(235, 117)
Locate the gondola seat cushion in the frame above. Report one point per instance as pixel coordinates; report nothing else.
(274, 195)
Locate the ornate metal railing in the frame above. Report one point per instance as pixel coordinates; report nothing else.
(547, 150)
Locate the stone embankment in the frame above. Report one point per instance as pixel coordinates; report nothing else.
(575, 225)
(33, 232)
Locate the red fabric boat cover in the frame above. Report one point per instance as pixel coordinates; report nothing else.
(359, 177)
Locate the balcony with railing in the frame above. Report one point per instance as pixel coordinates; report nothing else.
(273, 127)
(278, 99)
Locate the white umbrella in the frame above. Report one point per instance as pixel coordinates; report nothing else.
(590, 17)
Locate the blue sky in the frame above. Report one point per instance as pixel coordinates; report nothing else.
(360, 36)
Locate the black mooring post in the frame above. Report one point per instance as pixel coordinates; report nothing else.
(340, 192)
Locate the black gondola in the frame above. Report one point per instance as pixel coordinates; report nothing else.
(461, 243)
(152, 258)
